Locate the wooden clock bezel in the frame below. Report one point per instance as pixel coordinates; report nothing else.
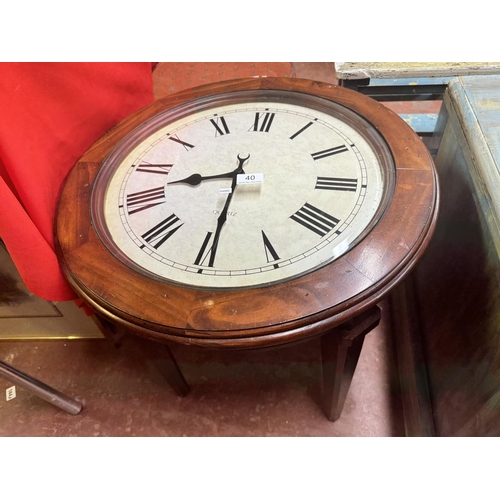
(255, 317)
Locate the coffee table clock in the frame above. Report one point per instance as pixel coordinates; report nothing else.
(251, 213)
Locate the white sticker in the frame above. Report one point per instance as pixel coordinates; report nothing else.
(225, 191)
(10, 393)
(249, 178)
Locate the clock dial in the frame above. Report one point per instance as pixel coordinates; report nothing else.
(245, 190)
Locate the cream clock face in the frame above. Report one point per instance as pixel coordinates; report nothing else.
(242, 190)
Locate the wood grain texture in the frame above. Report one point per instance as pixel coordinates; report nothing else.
(277, 314)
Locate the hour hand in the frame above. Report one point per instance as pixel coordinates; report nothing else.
(196, 179)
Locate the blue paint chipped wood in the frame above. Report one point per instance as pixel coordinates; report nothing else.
(474, 107)
(408, 74)
(457, 283)
(385, 82)
(421, 123)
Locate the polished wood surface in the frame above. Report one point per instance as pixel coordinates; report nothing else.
(278, 314)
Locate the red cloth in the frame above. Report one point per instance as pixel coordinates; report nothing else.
(50, 113)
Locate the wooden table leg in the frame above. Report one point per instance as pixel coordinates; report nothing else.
(340, 350)
(163, 359)
(159, 354)
(167, 365)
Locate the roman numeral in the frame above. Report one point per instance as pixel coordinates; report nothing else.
(136, 202)
(160, 233)
(203, 253)
(218, 130)
(186, 145)
(269, 249)
(262, 122)
(301, 130)
(315, 219)
(154, 168)
(329, 152)
(336, 183)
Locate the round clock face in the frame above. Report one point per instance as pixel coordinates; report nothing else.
(242, 190)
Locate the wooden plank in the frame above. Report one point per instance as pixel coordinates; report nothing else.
(360, 70)
(389, 82)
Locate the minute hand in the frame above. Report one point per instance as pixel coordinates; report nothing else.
(223, 215)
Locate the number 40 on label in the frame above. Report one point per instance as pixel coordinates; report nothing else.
(249, 178)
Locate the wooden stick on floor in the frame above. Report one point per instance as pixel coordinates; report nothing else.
(40, 389)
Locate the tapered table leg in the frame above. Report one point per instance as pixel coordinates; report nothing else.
(340, 357)
(340, 350)
(159, 354)
(168, 367)
(164, 361)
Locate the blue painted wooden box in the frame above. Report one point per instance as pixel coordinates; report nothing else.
(458, 280)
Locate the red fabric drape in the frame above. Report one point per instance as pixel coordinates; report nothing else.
(50, 113)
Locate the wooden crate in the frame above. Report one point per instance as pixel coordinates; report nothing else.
(409, 81)
(457, 282)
